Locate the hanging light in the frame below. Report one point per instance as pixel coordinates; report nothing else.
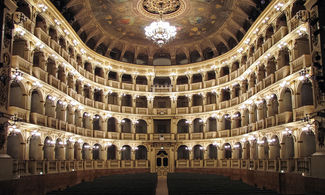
(160, 31)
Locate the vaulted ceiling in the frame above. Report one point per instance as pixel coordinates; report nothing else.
(205, 28)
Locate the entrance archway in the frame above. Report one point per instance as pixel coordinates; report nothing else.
(162, 163)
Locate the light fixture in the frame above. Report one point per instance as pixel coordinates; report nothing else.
(160, 31)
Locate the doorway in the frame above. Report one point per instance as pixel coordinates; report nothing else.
(162, 163)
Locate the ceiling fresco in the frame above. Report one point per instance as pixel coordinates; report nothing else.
(123, 19)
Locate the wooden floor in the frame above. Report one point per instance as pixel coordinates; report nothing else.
(162, 188)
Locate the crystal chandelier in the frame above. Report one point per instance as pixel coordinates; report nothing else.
(160, 31)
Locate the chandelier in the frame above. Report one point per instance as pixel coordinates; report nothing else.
(160, 31)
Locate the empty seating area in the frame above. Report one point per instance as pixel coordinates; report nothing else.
(130, 184)
(193, 184)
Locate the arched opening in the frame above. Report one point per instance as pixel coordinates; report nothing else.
(235, 66)
(286, 104)
(35, 147)
(306, 94)
(97, 152)
(142, 59)
(111, 152)
(198, 125)
(198, 152)
(15, 146)
(254, 150)
(77, 151)
(226, 122)
(127, 78)
(246, 117)
(237, 152)
(61, 74)
(181, 58)
(126, 125)
(127, 100)
(62, 43)
(36, 103)
(182, 80)
(141, 80)
(59, 150)
(224, 71)
(197, 100)
(24, 8)
(112, 98)
(16, 95)
(274, 145)
(182, 126)
(269, 32)
(128, 57)
(212, 152)
(60, 110)
(86, 121)
(112, 76)
(98, 95)
(208, 53)
(141, 126)
(183, 153)
(77, 118)
(211, 98)
(48, 149)
(307, 143)
(97, 120)
(111, 124)
(126, 152)
(281, 21)
(297, 6)
(225, 94)
(196, 78)
(271, 66)
(246, 150)
(141, 102)
(87, 90)
(41, 23)
(237, 120)
(195, 56)
(141, 153)
(86, 151)
(212, 124)
(99, 72)
(161, 59)
(53, 34)
(263, 149)
(88, 67)
(162, 81)
(161, 102)
(49, 106)
(69, 150)
(287, 146)
(182, 102)
(211, 75)
(227, 151)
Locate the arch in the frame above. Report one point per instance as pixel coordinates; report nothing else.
(197, 100)
(69, 114)
(263, 149)
(98, 95)
(142, 59)
(127, 78)
(53, 34)
(211, 75)
(274, 105)
(237, 151)
(281, 21)
(69, 150)
(182, 80)
(59, 150)
(225, 94)
(161, 59)
(97, 122)
(97, 152)
(211, 98)
(35, 147)
(198, 152)
(88, 67)
(111, 152)
(212, 152)
(48, 148)
(196, 78)
(246, 150)
(141, 80)
(141, 153)
(182, 101)
(15, 145)
(141, 102)
(24, 8)
(224, 71)
(87, 91)
(183, 153)
(86, 151)
(274, 147)
(77, 151)
(269, 32)
(182, 126)
(296, 7)
(271, 66)
(162, 81)
(226, 122)
(17, 95)
(126, 152)
(112, 75)
(287, 147)
(61, 74)
(254, 150)
(99, 71)
(181, 58)
(306, 94)
(128, 57)
(60, 110)
(307, 143)
(227, 151)
(236, 120)
(195, 56)
(208, 53)
(86, 121)
(50, 106)
(246, 117)
(198, 124)
(36, 102)
(235, 66)
(51, 67)
(286, 103)
(112, 124)
(78, 118)
(126, 125)
(127, 100)
(41, 23)
(112, 98)
(212, 124)
(141, 126)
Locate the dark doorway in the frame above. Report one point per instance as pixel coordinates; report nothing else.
(162, 125)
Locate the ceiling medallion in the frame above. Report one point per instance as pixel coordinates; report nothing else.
(164, 6)
(160, 31)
